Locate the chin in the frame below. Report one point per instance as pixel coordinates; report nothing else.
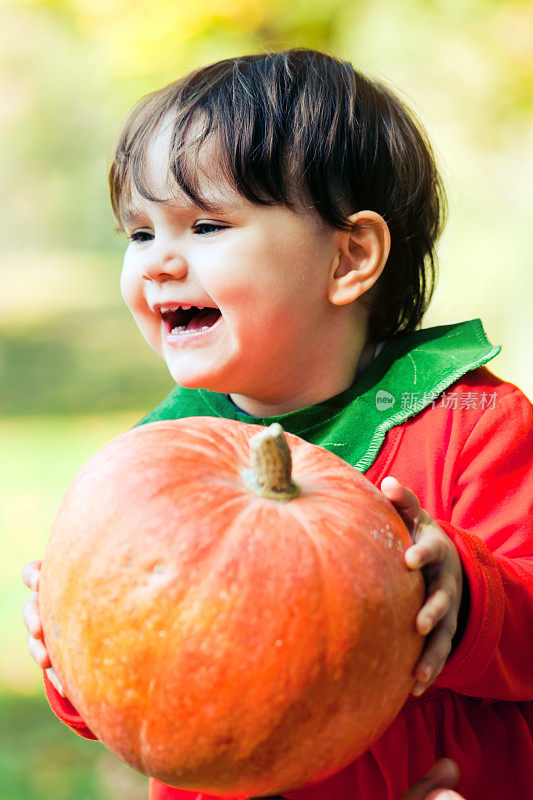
(191, 376)
(189, 381)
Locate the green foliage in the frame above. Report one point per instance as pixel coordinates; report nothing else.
(40, 456)
(41, 759)
(73, 67)
(77, 362)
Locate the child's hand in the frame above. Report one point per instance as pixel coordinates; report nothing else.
(437, 783)
(32, 620)
(437, 555)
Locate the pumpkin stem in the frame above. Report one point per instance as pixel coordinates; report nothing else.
(270, 468)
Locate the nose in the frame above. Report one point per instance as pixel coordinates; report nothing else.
(167, 265)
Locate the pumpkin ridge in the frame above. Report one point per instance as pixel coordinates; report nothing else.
(216, 548)
(310, 534)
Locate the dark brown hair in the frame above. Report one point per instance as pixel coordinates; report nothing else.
(295, 127)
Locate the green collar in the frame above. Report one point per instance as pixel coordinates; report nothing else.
(410, 372)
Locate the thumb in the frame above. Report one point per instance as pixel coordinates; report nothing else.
(31, 573)
(442, 775)
(404, 501)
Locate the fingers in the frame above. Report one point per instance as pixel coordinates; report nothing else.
(437, 620)
(54, 680)
(31, 616)
(38, 652)
(434, 553)
(442, 599)
(443, 775)
(430, 549)
(437, 650)
(31, 574)
(405, 502)
(36, 646)
(402, 497)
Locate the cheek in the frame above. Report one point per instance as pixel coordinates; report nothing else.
(127, 284)
(131, 287)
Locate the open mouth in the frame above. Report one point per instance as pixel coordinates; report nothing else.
(188, 319)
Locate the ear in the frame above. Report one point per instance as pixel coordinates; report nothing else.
(361, 255)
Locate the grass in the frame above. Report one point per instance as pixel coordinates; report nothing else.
(42, 454)
(74, 347)
(41, 759)
(78, 362)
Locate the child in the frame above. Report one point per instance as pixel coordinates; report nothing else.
(282, 212)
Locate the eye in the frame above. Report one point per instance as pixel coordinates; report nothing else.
(141, 236)
(208, 228)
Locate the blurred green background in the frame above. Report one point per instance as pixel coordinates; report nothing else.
(75, 371)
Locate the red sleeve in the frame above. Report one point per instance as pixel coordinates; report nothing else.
(492, 527)
(64, 709)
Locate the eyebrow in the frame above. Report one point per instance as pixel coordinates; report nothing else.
(218, 204)
(131, 213)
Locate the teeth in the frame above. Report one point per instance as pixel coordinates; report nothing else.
(179, 329)
(167, 309)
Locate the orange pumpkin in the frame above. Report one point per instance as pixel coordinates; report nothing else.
(223, 627)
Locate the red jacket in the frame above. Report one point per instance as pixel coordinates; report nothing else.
(471, 466)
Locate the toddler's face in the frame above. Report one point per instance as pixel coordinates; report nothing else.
(259, 274)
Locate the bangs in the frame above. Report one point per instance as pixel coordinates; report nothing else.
(220, 131)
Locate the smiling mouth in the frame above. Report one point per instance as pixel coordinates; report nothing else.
(180, 321)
